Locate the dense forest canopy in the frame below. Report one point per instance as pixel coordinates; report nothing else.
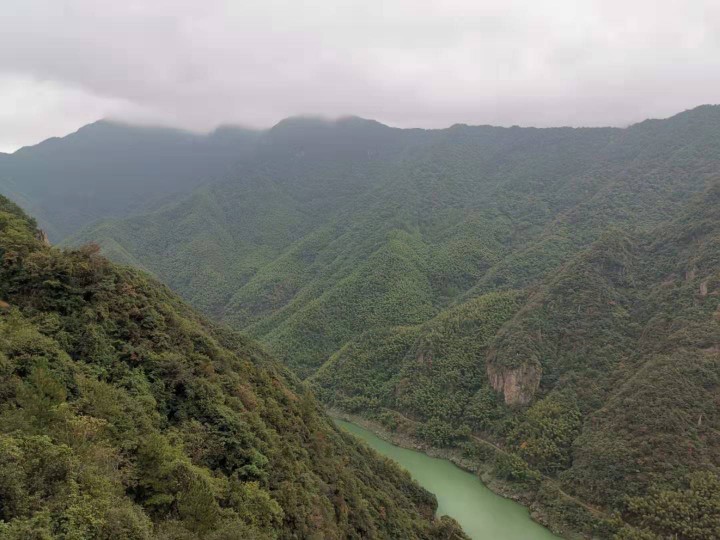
(542, 301)
(108, 169)
(125, 415)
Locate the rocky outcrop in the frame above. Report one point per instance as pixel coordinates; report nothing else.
(518, 385)
(42, 236)
(704, 288)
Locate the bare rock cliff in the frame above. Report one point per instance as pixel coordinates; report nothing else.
(518, 385)
(42, 236)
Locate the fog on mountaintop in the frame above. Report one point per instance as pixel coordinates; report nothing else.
(197, 65)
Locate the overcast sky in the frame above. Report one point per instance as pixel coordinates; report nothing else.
(199, 63)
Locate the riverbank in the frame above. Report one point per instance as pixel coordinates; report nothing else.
(460, 494)
(547, 505)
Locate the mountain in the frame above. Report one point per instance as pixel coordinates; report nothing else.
(604, 379)
(110, 169)
(536, 301)
(354, 211)
(124, 414)
(304, 170)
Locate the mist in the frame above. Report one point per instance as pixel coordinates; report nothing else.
(405, 63)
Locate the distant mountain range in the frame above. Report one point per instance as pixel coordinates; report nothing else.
(108, 169)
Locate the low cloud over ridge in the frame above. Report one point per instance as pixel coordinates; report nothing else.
(194, 65)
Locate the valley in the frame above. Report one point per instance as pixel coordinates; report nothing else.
(540, 302)
(350, 270)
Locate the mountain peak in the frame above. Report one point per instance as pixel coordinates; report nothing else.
(321, 122)
(701, 112)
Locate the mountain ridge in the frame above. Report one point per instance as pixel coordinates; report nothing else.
(29, 173)
(350, 118)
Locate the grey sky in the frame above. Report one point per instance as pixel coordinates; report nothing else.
(199, 63)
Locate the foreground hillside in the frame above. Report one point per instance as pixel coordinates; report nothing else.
(125, 415)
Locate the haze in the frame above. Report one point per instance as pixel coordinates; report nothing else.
(406, 63)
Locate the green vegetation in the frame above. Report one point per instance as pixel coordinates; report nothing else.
(543, 300)
(124, 415)
(108, 169)
(545, 435)
(429, 372)
(692, 512)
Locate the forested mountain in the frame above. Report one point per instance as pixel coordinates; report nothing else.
(125, 415)
(604, 378)
(360, 214)
(110, 169)
(542, 300)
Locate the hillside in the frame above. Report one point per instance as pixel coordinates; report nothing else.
(124, 414)
(108, 169)
(358, 214)
(604, 380)
(540, 301)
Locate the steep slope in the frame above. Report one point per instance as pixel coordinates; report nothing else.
(347, 213)
(108, 169)
(123, 414)
(440, 188)
(617, 356)
(540, 303)
(475, 219)
(219, 237)
(660, 423)
(428, 371)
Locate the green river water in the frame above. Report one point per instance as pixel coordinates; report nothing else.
(481, 513)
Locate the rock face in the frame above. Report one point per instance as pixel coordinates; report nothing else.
(518, 385)
(42, 236)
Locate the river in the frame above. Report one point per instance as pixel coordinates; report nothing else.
(481, 513)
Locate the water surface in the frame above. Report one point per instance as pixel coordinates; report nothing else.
(481, 513)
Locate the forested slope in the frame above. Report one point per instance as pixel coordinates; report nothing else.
(328, 215)
(123, 414)
(108, 169)
(541, 300)
(604, 378)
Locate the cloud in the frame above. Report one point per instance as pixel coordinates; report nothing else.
(407, 63)
(31, 110)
